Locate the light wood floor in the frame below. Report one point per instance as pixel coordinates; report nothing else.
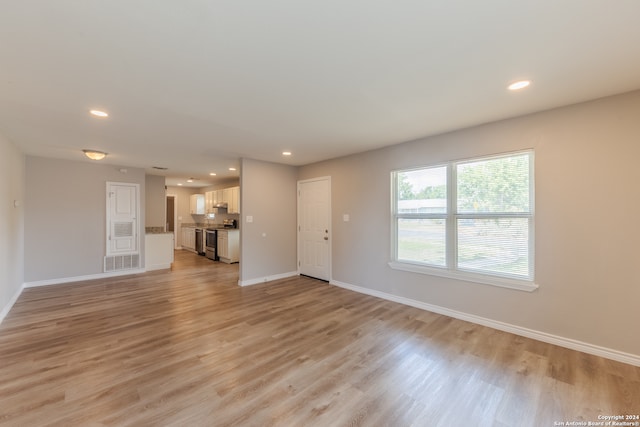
(189, 347)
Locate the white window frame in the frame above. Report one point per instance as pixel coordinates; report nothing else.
(451, 217)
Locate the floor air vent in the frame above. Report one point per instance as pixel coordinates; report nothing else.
(121, 262)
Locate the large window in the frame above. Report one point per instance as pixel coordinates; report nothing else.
(471, 219)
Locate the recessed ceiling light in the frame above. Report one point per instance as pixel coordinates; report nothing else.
(286, 153)
(179, 184)
(99, 113)
(519, 85)
(95, 154)
(212, 174)
(232, 169)
(190, 180)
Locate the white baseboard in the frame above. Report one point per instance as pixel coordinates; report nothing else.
(83, 278)
(631, 359)
(157, 267)
(266, 278)
(10, 304)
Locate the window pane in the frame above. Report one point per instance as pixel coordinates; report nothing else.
(422, 240)
(494, 185)
(423, 191)
(494, 245)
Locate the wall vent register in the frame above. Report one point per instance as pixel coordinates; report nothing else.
(121, 262)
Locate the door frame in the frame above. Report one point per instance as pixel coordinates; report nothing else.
(329, 209)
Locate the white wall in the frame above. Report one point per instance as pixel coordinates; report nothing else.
(587, 227)
(268, 244)
(12, 189)
(155, 208)
(65, 215)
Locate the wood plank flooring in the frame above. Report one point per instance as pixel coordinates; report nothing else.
(189, 347)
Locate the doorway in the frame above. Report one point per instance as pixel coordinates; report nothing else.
(314, 228)
(171, 217)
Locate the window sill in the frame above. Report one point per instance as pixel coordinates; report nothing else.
(503, 282)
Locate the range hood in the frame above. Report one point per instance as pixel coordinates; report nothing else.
(222, 205)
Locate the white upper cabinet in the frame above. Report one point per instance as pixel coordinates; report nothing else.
(227, 196)
(218, 197)
(209, 201)
(196, 204)
(233, 200)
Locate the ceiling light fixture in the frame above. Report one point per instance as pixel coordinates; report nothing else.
(190, 180)
(179, 184)
(213, 174)
(286, 153)
(232, 169)
(99, 113)
(94, 154)
(519, 85)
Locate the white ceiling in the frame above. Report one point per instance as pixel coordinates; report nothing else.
(194, 85)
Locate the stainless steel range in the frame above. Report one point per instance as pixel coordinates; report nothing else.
(211, 238)
(211, 241)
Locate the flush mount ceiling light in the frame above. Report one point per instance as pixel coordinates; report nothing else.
(190, 180)
(99, 113)
(286, 153)
(213, 174)
(232, 169)
(94, 154)
(519, 85)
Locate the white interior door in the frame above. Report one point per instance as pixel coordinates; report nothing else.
(314, 228)
(122, 221)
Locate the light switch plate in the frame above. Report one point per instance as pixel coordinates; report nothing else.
(345, 217)
(249, 218)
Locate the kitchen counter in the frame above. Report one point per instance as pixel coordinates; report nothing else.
(156, 230)
(158, 250)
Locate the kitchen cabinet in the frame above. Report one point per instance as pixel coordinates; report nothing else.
(226, 197)
(189, 238)
(217, 196)
(208, 201)
(233, 201)
(229, 196)
(229, 246)
(158, 252)
(196, 204)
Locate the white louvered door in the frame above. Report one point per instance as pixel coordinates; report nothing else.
(122, 218)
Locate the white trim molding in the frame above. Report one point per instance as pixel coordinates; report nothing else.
(82, 278)
(608, 353)
(265, 279)
(503, 282)
(10, 304)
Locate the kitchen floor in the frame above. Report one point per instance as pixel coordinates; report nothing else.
(186, 259)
